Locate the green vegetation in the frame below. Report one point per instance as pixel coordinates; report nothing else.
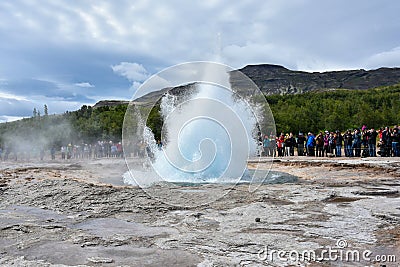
(328, 110)
(102, 123)
(336, 110)
(332, 110)
(84, 125)
(155, 121)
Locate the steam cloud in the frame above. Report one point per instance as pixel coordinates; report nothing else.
(27, 138)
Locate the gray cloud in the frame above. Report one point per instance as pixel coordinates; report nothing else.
(63, 50)
(14, 107)
(34, 88)
(84, 85)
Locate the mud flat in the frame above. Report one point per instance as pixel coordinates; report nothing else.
(81, 213)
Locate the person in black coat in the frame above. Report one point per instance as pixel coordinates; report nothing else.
(338, 138)
(300, 144)
(371, 139)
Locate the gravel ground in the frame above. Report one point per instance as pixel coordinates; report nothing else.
(79, 213)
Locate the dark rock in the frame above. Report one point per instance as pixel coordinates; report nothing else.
(110, 103)
(274, 79)
(258, 219)
(376, 192)
(197, 215)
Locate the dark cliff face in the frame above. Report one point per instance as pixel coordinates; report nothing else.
(110, 103)
(274, 79)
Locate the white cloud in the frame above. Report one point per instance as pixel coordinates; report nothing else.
(5, 95)
(84, 85)
(389, 58)
(9, 118)
(132, 71)
(296, 30)
(135, 86)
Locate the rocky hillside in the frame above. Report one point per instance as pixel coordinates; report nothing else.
(274, 79)
(110, 103)
(278, 80)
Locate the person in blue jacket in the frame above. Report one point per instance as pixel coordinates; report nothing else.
(310, 144)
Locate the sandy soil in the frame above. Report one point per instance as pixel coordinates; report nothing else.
(80, 213)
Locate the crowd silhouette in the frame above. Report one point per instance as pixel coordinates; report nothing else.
(362, 142)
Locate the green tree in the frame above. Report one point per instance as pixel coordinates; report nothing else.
(46, 111)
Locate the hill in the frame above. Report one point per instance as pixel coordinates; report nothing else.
(110, 103)
(275, 79)
(278, 80)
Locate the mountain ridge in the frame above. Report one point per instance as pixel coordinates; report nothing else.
(278, 80)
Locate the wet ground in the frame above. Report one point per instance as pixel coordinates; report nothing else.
(80, 213)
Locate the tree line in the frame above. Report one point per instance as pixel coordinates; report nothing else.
(336, 110)
(312, 111)
(85, 125)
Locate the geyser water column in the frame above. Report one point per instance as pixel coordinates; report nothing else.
(206, 139)
(212, 118)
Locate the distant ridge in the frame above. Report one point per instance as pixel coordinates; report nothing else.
(275, 79)
(110, 103)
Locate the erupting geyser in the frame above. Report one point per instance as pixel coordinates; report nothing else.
(208, 137)
(209, 130)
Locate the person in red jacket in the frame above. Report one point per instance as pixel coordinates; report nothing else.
(280, 143)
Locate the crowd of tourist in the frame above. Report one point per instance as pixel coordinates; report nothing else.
(362, 142)
(99, 149)
(25, 152)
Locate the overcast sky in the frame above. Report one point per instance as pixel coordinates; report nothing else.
(68, 53)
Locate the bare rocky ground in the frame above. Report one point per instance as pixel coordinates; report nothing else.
(81, 214)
